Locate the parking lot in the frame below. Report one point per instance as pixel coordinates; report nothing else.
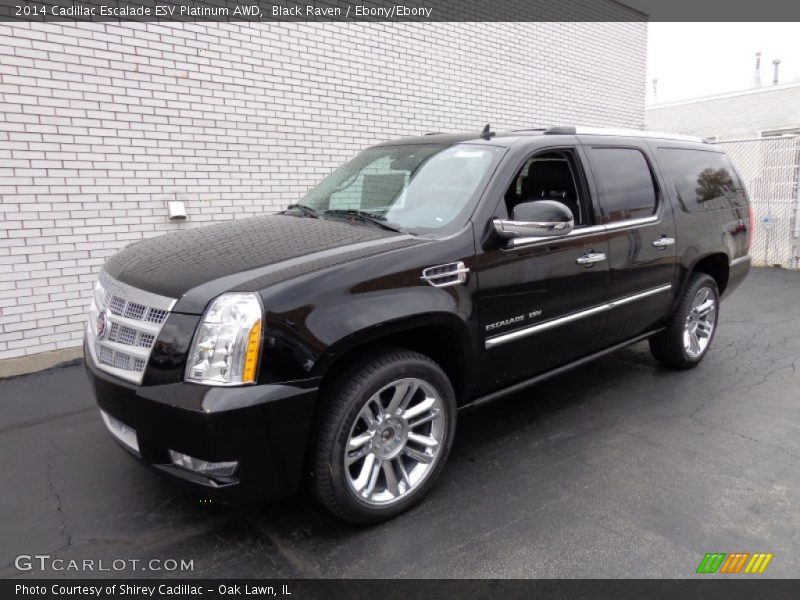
(617, 469)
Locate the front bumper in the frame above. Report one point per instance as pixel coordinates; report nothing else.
(264, 427)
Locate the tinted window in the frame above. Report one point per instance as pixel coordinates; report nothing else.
(626, 182)
(700, 177)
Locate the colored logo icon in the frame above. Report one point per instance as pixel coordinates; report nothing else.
(735, 562)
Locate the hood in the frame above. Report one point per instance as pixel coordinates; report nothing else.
(240, 251)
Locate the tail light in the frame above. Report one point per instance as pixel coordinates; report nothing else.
(750, 227)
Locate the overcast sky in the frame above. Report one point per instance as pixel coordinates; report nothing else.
(699, 59)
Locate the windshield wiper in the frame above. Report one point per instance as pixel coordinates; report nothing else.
(306, 210)
(366, 216)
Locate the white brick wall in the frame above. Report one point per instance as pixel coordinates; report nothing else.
(101, 124)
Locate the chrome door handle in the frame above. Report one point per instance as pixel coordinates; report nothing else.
(590, 258)
(663, 242)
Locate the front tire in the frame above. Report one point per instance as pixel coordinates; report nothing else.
(690, 330)
(384, 437)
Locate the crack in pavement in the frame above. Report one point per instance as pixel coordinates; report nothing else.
(743, 436)
(62, 530)
(41, 421)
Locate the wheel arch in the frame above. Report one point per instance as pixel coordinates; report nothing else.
(440, 336)
(715, 264)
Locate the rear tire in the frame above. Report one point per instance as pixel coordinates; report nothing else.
(384, 437)
(690, 330)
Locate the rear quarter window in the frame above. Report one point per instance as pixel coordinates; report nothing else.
(703, 180)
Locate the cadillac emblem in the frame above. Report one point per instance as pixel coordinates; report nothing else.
(102, 325)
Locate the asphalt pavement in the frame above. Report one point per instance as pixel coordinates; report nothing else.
(617, 469)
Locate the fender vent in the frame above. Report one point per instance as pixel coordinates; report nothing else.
(445, 275)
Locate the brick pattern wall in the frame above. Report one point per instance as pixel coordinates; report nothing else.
(102, 123)
(735, 116)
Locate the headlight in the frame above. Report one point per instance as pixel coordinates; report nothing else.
(227, 342)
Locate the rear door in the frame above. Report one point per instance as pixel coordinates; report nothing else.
(641, 236)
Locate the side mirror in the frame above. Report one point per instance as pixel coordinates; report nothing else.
(539, 218)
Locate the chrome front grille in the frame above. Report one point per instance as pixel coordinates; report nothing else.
(124, 323)
(129, 336)
(121, 307)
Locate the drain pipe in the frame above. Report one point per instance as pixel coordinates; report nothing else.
(796, 232)
(797, 206)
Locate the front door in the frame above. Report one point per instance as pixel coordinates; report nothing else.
(538, 297)
(641, 238)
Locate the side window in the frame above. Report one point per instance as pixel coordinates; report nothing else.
(700, 176)
(549, 176)
(626, 182)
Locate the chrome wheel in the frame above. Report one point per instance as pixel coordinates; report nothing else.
(395, 441)
(700, 323)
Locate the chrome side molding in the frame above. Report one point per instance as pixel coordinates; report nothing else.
(510, 229)
(740, 260)
(553, 323)
(639, 296)
(581, 231)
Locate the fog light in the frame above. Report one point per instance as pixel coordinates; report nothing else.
(212, 470)
(121, 432)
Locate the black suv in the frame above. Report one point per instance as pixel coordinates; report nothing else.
(335, 342)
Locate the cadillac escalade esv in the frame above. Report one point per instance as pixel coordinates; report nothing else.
(334, 343)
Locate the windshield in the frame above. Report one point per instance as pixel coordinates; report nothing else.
(423, 188)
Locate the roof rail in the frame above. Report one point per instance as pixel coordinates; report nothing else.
(572, 130)
(561, 130)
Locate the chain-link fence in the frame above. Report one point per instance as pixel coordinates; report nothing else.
(770, 168)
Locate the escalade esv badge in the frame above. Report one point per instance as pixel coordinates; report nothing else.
(331, 345)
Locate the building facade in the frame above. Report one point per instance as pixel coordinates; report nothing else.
(103, 124)
(759, 112)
